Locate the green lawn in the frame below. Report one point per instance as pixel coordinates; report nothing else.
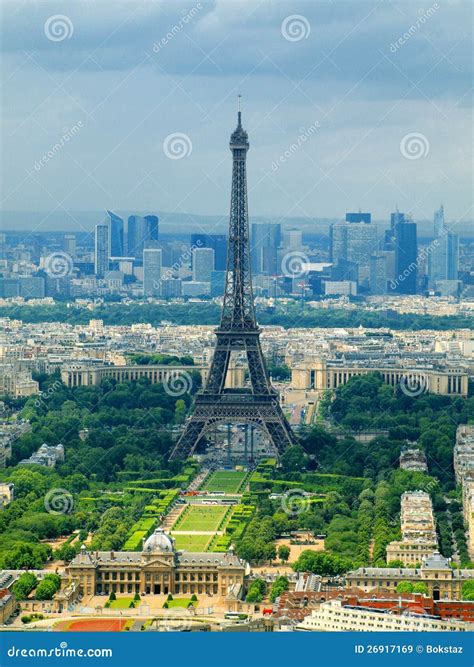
(181, 602)
(120, 603)
(228, 481)
(202, 517)
(192, 542)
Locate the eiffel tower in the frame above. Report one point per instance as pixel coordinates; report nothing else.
(238, 332)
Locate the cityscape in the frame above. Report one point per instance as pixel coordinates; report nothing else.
(252, 419)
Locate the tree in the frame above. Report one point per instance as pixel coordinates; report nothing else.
(320, 562)
(65, 552)
(283, 553)
(24, 585)
(467, 590)
(112, 597)
(270, 551)
(280, 585)
(294, 459)
(48, 587)
(136, 597)
(420, 587)
(256, 591)
(25, 557)
(405, 587)
(180, 411)
(76, 482)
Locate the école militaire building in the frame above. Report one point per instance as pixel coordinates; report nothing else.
(159, 569)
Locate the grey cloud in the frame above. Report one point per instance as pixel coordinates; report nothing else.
(136, 95)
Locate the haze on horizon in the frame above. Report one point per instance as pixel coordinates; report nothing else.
(343, 90)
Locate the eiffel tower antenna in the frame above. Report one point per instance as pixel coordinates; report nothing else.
(238, 332)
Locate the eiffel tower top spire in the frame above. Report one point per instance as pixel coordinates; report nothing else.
(239, 138)
(238, 312)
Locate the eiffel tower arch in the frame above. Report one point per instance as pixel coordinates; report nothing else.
(238, 332)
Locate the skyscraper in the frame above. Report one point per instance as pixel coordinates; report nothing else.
(218, 242)
(354, 242)
(140, 230)
(217, 283)
(203, 264)
(116, 235)
(406, 256)
(266, 240)
(389, 240)
(438, 222)
(152, 264)
(359, 217)
(101, 250)
(69, 244)
(378, 273)
(443, 260)
(293, 239)
(152, 227)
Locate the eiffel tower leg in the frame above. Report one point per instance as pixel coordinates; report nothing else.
(257, 371)
(279, 436)
(218, 371)
(189, 439)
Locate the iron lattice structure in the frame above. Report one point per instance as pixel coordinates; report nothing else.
(238, 332)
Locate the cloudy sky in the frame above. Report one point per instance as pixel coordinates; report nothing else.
(129, 105)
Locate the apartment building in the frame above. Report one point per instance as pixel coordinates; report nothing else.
(443, 582)
(464, 471)
(334, 616)
(418, 530)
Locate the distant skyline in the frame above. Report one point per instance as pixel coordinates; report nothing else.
(129, 106)
(189, 223)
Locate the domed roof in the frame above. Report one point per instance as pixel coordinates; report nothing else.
(159, 541)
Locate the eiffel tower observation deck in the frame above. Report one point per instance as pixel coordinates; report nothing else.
(258, 404)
